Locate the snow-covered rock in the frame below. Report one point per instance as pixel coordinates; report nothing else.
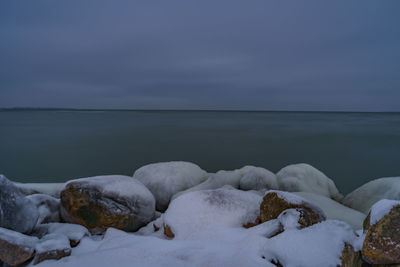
(257, 178)
(382, 239)
(305, 178)
(48, 207)
(16, 248)
(334, 210)
(275, 202)
(52, 247)
(247, 178)
(16, 211)
(165, 179)
(74, 232)
(51, 189)
(368, 194)
(107, 201)
(208, 209)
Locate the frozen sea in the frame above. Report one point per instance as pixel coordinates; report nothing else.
(58, 145)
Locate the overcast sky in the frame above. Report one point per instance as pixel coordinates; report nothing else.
(256, 55)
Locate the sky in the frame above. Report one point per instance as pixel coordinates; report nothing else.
(211, 54)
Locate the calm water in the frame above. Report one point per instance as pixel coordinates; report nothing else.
(55, 146)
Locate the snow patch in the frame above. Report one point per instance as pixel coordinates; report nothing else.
(380, 209)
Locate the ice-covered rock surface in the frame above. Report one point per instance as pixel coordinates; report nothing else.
(51, 189)
(247, 178)
(368, 194)
(52, 247)
(305, 178)
(100, 202)
(208, 209)
(380, 209)
(17, 212)
(334, 210)
(48, 207)
(74, 232)
(165, 179)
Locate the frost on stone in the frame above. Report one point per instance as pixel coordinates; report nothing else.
(16, 211)
(305, 178)
(334, 210)
(48, 207)
(381, 208)
(168, 178)
(208, 209)
(368, 194)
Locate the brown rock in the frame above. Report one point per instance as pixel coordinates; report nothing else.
(51, 255)
(350, 258)
(97, 207)
(274, 203)
(16, 248)
(382, 241)
(52, 247)
(252, 224)
(168, 232)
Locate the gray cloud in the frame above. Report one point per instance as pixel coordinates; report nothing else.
(285, 55)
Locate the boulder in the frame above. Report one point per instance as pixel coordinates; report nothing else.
(48, 207)
(52, 247)
(101, 202)
(368, 194)
(305, 178)
(17, 212)
(165, 179)
(382, 240)
(275, 202)
(256, 178)
(350, 257)
(16, 248)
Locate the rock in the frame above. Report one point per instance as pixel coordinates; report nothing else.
(48, 207)
(368, 194)
(305, 178)
(275, 202)
(101, 202)
(382, 240)
(74, 232)
(209, 209)
(16, 248)
(256, 178)
(168, 178)
(16, 211)
(349, 257)
(52, 247)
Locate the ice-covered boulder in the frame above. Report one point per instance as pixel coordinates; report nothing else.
(16, 211)
(74, 232)
(165, 179)
(48, 207)
(368, 194)
(305, 178)
(382, 240)
(101, 202)
(246, 178)
(275, 202)
(52, 247)
(257, 178)
(210, 209)
(16, 248)
(51, 189)
(334, 210)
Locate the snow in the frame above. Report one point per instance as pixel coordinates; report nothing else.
(334, 210)
(380, 209)
(48, 207)
(257, 178)
(52, 242)
(289, 219)
(72, 231)
(168, 178)
(305, 178)
(17, 212)
(51, 189)
(19, 239)
(368, 194)
(201, 210)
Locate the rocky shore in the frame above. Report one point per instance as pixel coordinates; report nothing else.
(176, 214)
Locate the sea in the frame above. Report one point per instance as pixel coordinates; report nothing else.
(59, 145)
